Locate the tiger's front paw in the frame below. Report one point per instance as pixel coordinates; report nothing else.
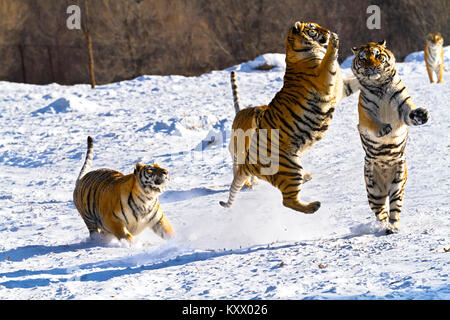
(384, 131)
(334, 40)
(419, 116)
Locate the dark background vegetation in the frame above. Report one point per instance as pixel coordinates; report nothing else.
(190, 37)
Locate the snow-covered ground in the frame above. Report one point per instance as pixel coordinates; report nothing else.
(258, 249)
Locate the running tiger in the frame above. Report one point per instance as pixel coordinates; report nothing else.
(385, 111)
(122, 205)
(294, 120)
(434, 56)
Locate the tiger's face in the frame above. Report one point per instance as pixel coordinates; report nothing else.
(151, 177)
(373, 61)
(434, 39)
(304, 39)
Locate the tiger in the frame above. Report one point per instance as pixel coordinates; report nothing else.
(299, 113)
(434, 56)
(111, 203)
(385, 111)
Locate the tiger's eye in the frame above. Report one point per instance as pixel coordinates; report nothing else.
(312, 33)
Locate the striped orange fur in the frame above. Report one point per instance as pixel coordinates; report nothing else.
(122, 205)
(385, 111)
(299, 113)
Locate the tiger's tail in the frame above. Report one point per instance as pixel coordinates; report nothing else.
(89, 156)
(234, 88)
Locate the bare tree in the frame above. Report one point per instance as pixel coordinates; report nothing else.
(87, 35)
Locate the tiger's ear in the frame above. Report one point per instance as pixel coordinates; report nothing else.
(354, 50)
(382, 43)
(137, 167)
(297, 28)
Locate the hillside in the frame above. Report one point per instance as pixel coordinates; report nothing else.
(190, 37)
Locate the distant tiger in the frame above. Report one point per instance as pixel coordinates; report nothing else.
(298, 116)
(385, 111)
(434, 56)
(122, 205)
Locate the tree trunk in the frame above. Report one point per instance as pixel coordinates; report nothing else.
(89, 44)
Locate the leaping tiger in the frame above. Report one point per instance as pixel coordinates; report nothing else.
(122, 205)
(385, 111)
(294, 120)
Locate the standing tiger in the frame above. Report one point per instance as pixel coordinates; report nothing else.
(434, 56)
(298, 116)
(385, 111)
(122, 205)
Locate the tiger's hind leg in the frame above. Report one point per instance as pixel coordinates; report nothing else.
(440, 73)
(376, 194)
(288, 180)
(289, 184)
(90, 222)
(97, 234)
(290, 200)
(430, 73)
(121, 232)
(239, 179)
(115, 226)
(396, 192)
(252, 181)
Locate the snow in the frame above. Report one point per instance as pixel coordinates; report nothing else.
(419, 56)
(347, 63)
(258, 249)
(267, 62)
(71, 103)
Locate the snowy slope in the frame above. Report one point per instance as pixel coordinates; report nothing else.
(256, 250)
